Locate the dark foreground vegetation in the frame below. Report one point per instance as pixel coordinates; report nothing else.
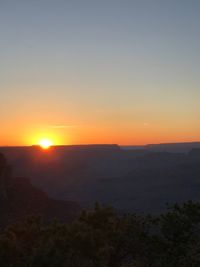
(98, 238)
(103, 238)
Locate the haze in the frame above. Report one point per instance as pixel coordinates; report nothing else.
(82, 72)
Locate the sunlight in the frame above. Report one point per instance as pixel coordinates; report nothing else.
(45, 143)
(45, 139)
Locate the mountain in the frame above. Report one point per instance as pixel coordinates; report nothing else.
(141, 180)
(173, 147)
(165, 147)
(19, 198)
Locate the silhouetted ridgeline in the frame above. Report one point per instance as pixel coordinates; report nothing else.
(173, 147)
(131, 180)
(19, 198)
(168, 147)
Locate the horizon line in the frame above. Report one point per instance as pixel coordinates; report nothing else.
(106, 144)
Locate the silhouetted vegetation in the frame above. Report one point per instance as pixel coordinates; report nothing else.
(101, 237)
(104, 238)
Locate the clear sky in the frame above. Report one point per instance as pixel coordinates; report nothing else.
(99, 71)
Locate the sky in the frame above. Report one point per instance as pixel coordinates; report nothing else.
(99, 71)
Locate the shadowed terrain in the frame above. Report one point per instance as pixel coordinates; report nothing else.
(19, 198)
(143, 179)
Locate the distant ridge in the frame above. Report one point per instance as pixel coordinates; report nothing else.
(131, 180)
(84, 146)
(183, 147)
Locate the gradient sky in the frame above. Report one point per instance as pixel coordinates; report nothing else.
(99, 71)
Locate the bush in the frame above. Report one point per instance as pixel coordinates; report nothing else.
(103, 238)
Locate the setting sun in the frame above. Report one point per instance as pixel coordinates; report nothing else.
(45, 143)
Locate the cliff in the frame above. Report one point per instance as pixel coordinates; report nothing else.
(19, 198)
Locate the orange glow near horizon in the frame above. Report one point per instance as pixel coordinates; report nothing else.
(99, 74)
(27, 134)
(45, 143)
(45, 138)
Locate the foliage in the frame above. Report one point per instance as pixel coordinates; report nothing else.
(104, 238)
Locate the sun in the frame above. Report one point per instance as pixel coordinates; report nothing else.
(45, 143)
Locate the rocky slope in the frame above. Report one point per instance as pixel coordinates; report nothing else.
(19, 198)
